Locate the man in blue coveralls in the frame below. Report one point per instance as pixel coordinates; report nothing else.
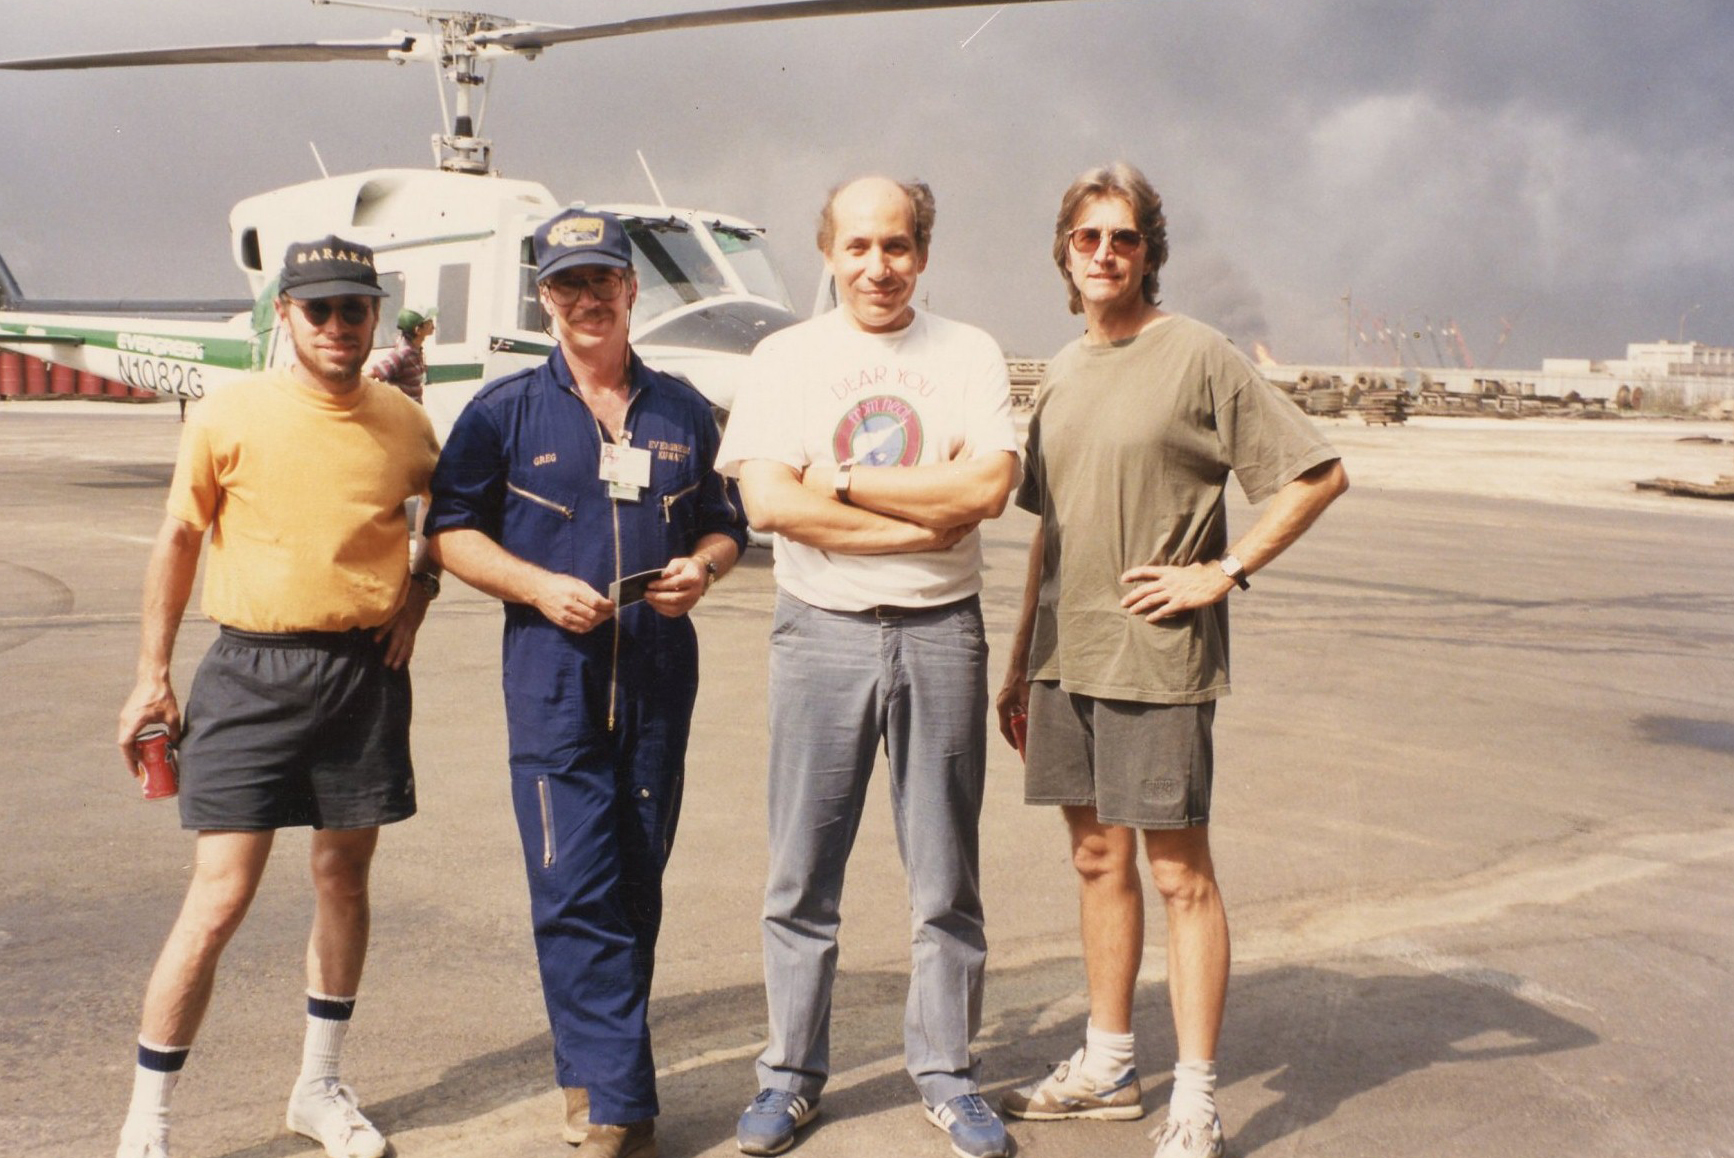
(555, 484)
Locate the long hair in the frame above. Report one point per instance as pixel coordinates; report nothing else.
(1127, 183)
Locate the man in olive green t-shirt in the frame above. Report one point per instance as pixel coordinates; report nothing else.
(1122, 642)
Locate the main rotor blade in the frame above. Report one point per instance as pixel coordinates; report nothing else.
(316, 51)
(751, 14)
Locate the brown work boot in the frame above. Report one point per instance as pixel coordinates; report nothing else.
(577, 1115)
(637, 1140)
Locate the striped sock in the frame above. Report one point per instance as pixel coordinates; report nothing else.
(153, 1082)
(327, 1023)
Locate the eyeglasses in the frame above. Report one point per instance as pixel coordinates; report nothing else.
(604, 286)
(1086, 239)
(351, 311)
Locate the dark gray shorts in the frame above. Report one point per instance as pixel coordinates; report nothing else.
(1140, 765)
(289, 730)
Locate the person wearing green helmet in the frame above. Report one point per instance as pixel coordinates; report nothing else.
(405, 367)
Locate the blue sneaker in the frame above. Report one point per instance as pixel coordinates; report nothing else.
(768, 1126)
(976, 1131)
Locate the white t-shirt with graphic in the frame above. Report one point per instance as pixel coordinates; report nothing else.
(825, 391)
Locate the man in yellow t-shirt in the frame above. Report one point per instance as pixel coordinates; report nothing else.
(299, 713)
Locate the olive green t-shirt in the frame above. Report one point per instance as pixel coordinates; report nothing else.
(1128, 456)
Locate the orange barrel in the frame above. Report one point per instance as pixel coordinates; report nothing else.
(35, 376)
(89, 385)
(62, 379)
(115, 389)
(11, 374)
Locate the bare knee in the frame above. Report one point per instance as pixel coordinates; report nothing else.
(1104, 854)
(340, 863)
(1181, 868)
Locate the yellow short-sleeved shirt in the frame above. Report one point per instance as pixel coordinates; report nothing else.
(304, 496)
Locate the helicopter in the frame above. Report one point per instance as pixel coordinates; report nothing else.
(455, 238)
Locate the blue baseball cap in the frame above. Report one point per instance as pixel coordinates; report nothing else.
(581, 237)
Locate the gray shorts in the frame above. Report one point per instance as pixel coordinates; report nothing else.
(309, 728)
(1140, 765)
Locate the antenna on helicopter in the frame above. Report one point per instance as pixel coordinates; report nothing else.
(651, 177)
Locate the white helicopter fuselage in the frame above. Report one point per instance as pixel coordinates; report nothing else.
(458, 244)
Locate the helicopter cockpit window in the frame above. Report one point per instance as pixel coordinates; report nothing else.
(531, 315)
(453, 305)
(673, 267)
(748, 252)
(385, 333)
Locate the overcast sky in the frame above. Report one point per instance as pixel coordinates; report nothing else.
(1560, 172)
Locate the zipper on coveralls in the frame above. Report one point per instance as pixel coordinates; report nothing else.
(668, 501)
(545, 799)
(550, 504)
(614, 509)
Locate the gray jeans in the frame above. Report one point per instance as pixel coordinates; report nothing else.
(840, 683)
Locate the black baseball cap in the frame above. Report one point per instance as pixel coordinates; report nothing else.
(328, 268)
(581, 237)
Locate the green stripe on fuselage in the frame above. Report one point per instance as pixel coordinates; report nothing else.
(230, 353)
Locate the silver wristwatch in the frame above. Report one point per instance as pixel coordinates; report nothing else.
(1235, 570)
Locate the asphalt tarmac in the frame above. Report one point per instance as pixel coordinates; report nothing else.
(1474, 822)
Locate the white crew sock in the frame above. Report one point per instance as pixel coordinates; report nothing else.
(1107, 1056)
(327, 1023)
(1194, 1097)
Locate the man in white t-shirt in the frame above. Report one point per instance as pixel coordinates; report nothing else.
(872, 440)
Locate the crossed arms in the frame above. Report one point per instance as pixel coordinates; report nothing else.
(891, 509)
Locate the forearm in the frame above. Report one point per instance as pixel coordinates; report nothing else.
(1018, 661)
(485, 565)
(777, 502)
(942, 494)
(1290, 512)
(168, 588)
(718, 549)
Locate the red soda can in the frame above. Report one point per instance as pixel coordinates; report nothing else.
(156, 759)
(1020, 729)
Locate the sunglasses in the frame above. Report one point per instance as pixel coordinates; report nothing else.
(604, 286)
(1086, 239)
(351, 311)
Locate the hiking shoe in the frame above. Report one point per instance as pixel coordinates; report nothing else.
(1189, 1139)
(325, 1111)
(577, 1123)
(976, 1131)
(768, 1126)
(1068, 1092)
(635, 1140)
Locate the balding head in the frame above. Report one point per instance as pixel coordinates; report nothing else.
(871, 192)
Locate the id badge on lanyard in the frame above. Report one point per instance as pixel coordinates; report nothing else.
(625, 469)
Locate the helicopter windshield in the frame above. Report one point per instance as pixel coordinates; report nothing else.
(673, 267)
(747, 251)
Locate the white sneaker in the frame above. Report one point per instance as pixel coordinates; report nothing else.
(325, 1111)
(1189, 1139)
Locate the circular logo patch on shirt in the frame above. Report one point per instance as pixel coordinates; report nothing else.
(880, 431)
